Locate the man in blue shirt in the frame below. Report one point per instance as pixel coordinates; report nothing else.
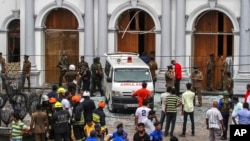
(244, 115)
(53, 92)
(156, 135)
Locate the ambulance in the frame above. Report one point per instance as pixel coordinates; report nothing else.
(124, 73)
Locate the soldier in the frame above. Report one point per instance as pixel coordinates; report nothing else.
(228, 84)
(197, 78)
(85, 77)
(26, 72)
(210, 72)
(223, 69)
(63, 64)
(153, 67)
(97, 76)
(170, 77)
(81, 66)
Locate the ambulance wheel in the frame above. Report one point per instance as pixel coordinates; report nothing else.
(110, 106)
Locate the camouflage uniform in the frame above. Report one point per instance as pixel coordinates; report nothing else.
(197, 84)
(228, 85)
(170, 77)
(81, 66)
(97, 75)
(26, 73)
(223, 69)
(153, 67)
(210, 74)
(63, 65)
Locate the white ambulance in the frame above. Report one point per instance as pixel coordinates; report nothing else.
(124, 73)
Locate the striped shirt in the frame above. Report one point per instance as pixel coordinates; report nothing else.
(17, 129)
(214, 117)
(171, 102)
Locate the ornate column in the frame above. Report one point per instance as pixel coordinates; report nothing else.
(180, 32)
(165, 51)
(102, 29)
(89, 31)
(30, 31)
(243, 74)
(166, 34)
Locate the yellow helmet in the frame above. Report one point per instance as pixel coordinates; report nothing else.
(60, 90)
(58, 105)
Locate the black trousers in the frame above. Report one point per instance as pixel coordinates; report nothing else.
(225, 116)
(177, 86)
(78, 132)
(171, 118)
(64, 136)
(191, 116)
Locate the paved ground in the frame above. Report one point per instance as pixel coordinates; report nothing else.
(127, 118)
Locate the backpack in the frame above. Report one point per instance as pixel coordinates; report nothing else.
(226, 105)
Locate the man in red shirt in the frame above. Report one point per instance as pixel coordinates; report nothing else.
(247, 92)
(142, 94)
(178, 76)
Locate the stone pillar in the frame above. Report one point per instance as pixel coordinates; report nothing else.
(180, 32)
(165, 34)
(89, 31)
(244, 37)
(102, 29)
(165, 51)
(30, 31)
(243, 74)
(180, 46)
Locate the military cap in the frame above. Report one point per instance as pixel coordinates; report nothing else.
(26, 56)
(170, 67)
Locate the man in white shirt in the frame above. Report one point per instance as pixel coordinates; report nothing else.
(214, 122)
(149, 122)
(188, 108)
(237, 106)
(142, 112)
(163, 104)
(66, 103)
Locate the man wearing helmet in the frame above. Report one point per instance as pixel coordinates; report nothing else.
(98, 114)
(44, 102)
(60, 123)
(50, 111)
(71, 78)
(88, 105)
(77, 117)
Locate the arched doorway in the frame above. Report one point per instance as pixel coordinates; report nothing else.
(61, 36)
(135, 32)
(14, 41)
(213, 35)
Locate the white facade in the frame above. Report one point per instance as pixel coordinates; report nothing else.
(172, 19)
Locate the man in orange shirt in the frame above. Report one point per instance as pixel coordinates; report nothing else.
(142, 94)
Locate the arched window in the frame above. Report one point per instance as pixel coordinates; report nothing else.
(14, 41)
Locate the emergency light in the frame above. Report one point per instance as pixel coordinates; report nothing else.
(129, 60)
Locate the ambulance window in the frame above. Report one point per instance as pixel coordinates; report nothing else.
(132, 75)
(107, 68)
